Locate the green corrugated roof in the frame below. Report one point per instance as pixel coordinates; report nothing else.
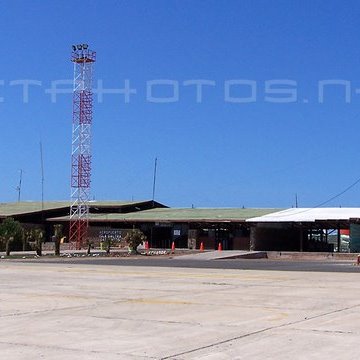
(27, 207)
(181, 215)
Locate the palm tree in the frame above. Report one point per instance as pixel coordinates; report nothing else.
(58, 234)
(39, 238)
(9, 230)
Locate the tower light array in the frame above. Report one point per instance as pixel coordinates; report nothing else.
(83, 59)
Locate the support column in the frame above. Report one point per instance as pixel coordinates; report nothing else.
(192, 238)
(252, 238)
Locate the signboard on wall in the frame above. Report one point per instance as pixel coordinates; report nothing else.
(163, 224)
(112, 234)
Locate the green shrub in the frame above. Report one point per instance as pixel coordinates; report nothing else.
(134, 238)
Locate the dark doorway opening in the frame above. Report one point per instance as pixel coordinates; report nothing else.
(161, 237)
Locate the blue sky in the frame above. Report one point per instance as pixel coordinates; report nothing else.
(252, 153)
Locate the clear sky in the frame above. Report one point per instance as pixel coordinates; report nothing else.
(241, 144)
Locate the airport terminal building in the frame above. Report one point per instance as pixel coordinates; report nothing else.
(295, 229)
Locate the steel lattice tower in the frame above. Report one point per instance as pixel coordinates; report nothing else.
(83, 59)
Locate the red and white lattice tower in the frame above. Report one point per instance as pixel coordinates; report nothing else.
(83, 59)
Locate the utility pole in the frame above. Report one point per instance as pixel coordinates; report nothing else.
(18, 188)
(154, 181)
(42, 177)
(42, 183)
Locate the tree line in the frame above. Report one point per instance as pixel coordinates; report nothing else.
(15, 237)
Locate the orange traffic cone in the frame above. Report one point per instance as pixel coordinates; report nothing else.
(173, 247)
(219, 247)
(201, 246)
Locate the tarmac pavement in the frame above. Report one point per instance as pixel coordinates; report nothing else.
(84, 311)
(215, 255)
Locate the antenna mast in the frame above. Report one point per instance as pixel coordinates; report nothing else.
(83, 59)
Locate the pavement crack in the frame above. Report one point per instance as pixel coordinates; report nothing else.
(148, 320)
(258, 332)
(81, 307)
(326, 331)
(330, 312)
(55, 347)
(47, 311)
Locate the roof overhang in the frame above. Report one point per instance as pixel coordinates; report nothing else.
(311, 217)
